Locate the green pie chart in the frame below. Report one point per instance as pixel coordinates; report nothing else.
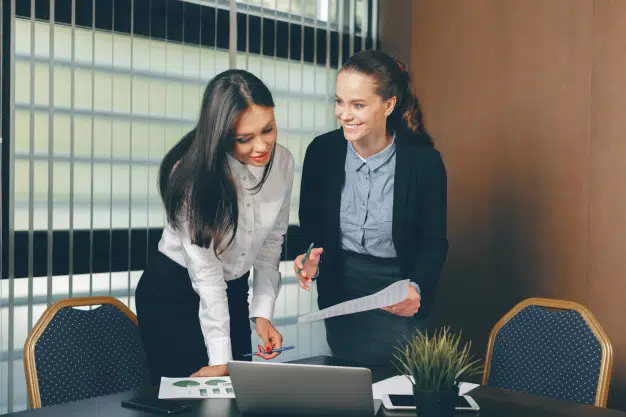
(186, 383)
(215, 381)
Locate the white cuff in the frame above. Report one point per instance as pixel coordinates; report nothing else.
(220, 352)
(417, 287)
(262, 306)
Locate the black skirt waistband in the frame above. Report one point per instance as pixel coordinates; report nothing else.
(369, 259)
(361, 275)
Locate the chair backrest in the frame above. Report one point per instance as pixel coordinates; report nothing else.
(72, 354)
(552, 348)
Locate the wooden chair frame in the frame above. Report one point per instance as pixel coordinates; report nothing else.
(30, 369)
(606, 363)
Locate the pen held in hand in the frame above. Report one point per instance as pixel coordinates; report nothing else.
(282, 349)
(306, 255)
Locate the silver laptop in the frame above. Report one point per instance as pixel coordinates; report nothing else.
(301, 390)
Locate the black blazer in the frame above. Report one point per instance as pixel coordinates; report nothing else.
(419, 211)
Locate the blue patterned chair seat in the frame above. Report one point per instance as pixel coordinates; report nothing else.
(549, 353)
(88, 353)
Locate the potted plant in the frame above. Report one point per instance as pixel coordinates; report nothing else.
(434, 364)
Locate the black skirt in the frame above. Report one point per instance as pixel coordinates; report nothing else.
(167, 311)
(370, 337)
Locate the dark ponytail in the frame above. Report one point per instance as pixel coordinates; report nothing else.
(392, 78)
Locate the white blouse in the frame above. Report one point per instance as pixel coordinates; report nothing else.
(262, 223)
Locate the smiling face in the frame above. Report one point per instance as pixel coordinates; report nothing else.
(360, 110)
(255, 135)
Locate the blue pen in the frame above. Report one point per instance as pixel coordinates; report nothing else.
(282, 349)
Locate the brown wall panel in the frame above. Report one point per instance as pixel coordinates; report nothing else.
(395, 27)
(500, 86)
(459, 93)
(607, 266)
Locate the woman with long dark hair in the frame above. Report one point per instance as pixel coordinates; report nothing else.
(377, 208)
(226, 188)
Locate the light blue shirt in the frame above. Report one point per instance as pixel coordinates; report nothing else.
(367, 203)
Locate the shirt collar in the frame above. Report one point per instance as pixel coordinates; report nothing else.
(375, 161)
(241, 169)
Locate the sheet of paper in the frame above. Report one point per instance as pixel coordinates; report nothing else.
(401, 385)
(214, 387)
(393, 294)
(465, 387)
(398, 384)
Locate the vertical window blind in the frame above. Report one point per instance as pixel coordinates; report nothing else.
(99, 90)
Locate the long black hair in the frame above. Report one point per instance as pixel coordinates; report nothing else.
(195, 182)
(392, 79)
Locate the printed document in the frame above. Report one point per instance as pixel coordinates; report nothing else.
(391, 295)
(213, 387)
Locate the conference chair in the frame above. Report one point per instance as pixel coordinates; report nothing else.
(552, 348)
(72, 354)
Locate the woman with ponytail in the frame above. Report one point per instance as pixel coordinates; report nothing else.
(373, 199)
(226, 188)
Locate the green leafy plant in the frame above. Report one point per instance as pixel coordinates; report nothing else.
(436, 362)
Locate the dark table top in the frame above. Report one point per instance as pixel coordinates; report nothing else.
(493, 403)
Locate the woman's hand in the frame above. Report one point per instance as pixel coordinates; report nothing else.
(407, 307)
(309, 269)
(270, 336)
(216, 370)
